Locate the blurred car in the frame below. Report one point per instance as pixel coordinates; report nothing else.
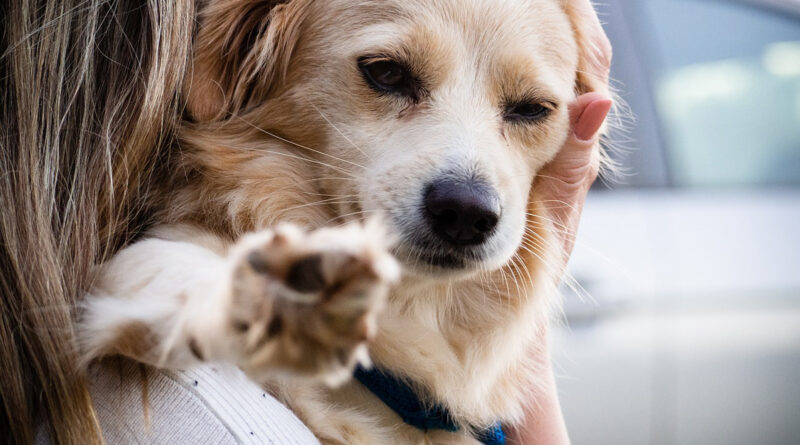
(684, 325)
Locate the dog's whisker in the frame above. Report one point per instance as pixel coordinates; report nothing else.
(546, 264)
(514, 278)
(510, 268)
(520, 264)
(543, 219)
(557, 201)
(293, 156)
(532, 236)
(336, 128)
(324, 202)
(540, 242)
(553, 243)
(551, 226)
(269, 133)
(327, 195)
(505, 283)
(323, 178)
(360, 212)
(545, 224)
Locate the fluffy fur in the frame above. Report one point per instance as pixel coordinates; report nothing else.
(284, 154)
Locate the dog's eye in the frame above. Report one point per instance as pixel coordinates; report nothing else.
(526, 112)
(388, 76)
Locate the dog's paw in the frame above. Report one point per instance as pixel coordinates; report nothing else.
(305, 303)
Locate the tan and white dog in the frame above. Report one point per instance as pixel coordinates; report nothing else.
(307, 122)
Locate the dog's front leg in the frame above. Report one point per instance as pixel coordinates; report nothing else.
(278, 301)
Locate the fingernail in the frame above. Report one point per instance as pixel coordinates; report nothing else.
(592, 119)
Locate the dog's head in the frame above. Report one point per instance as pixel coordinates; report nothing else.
(435, 114)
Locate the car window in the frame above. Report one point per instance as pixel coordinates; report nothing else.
(727, 91)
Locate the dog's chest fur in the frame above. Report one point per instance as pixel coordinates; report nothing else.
(428, 335)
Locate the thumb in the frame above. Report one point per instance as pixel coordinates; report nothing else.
(578, 160)
(587, 114)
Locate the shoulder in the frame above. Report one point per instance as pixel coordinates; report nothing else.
(207, 404)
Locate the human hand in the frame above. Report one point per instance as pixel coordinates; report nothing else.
(563, 185)
(564, 182)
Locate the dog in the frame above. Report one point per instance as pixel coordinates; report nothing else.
(352, 191)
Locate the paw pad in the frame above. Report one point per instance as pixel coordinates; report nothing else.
(305, 275)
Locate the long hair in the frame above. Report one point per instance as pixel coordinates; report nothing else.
(89, 98)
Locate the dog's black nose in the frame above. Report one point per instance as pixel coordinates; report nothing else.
(461, 213)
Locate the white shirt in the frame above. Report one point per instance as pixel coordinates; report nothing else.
(210, 404)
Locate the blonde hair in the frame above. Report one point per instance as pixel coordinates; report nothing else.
(89, 99)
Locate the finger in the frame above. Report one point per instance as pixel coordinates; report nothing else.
(586, 132)
(591, 119)
(578, 106)
(569, 175)
(578, 160)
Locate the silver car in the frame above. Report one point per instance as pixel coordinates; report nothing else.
(684, 323)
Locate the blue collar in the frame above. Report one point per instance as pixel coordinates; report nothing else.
(400, 397)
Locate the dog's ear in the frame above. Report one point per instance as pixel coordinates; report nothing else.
(594, 50)
(241, 51)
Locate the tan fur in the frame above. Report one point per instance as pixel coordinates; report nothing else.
(285, 131)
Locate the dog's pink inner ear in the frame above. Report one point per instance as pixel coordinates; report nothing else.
(240, 51)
